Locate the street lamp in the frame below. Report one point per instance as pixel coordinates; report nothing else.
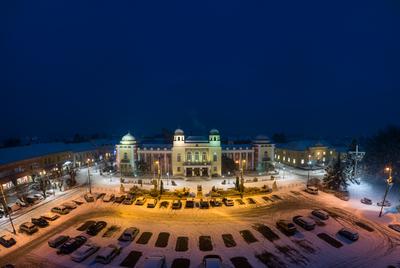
(90, 183)
(309, 167)
(389, 184)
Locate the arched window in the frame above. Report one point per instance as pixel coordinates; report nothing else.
(189, 156)
(126, 156)
(204, 157)
(196, 156)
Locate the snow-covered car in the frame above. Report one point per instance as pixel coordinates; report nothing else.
(89, 197)
(108, 198)
(28, 227)
(84, 252)
(366, 201)
(395, 227)
(32, 199)
(385, 204)
(312, 190)
(50, 216)
(228, 202)
(286, 226)
(154, 262)
(307, 223)
(321, 214)
(129, 234)
(212, 261)
(62, 210)
(57, 241)
(107, 254)
(38, 196)
(140, 201)
(152, 203)
(7, 241)
(40, 222)
(72, 244)
(12, 207)
(128, 200)
(78, 201)
(69, 205)
(177, 204)
(349, 234)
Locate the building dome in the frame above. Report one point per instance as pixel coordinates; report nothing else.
(128, 139)
(214, 132)
(179, 131)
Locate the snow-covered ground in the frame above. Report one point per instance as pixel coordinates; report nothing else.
(378, 248)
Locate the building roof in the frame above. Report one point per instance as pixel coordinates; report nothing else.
(155, 146)
(302, 145)
(14, 154)
(196, 139)
(214, 131)
(179, 131)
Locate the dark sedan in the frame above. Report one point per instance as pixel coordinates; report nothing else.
(40, 222)
(96, 228)
(72, 245)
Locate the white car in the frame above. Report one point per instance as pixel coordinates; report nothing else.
(70, 205)
(152, 203)
(312, 190)
(84, 252)
(140, 201)
(50, 216)
(107, 254)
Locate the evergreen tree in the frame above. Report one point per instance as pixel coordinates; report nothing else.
(339, 175)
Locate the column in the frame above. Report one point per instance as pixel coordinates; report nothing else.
(247, 160)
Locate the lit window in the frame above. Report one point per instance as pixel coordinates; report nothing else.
(288, 159)
(330, 152)
(279, 157)
(323, 159)
(204, 156)
(302, 161)
(324, 153)
(284, 158)
(196, 156)
(189, 156)
(318, 153)
(294, 161)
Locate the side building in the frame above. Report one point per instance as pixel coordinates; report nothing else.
(191, 156)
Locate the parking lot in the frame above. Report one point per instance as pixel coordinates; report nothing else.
(244, 234)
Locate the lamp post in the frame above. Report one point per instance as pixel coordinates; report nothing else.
(89, 181)
(158, 173)
(6, 208)
(309, 167)
(389, 182)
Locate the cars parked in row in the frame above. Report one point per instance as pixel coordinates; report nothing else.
(7, 241)
(84, 252)
(189, 203)
(128, 200)
(107, 254)
(228, 202)
(349, 234)
(72, 244)
(140, 201)
(108, 198)
(70, 205)
(50, 216)
(129, 234)
(28, 227)
(385, 204)
(215, 202)
(119, 198)
(152, 203)
(306, 223)
(57, 241)
(204, 204)
(95, 228)
(89, 197)
(177, 204)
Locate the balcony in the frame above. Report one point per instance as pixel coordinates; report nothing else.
(197, 163)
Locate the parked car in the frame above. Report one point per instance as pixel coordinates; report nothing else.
(286, 226)
(215, 202)
(204, 204)
(107, 254)
(228, 202)
(89, 197)
(321, 214)
(72, 244)
(7, 241)
(31, 199)
(212, 261)
(58, 241)
(140, 201)
(38, 196)
(395, 227)
(12, 207)
(96, 228)
(21, 203)
(385, 204)
(28, 227)
(306, 223)
(312, 190)
(99, 195)
(84, 252)
(70, 205)
(164, 204)
(119, 198)
(189, 203)
(128, 200)
(129, 234)
(366, 201)
(154, 262)
(108, 198)
(176, 204)
(50, 216)
(40, 222)
(62, 210)
(349, 234)
(152, 203)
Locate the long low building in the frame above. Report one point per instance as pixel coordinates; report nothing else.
(19, 165)
(191, 156)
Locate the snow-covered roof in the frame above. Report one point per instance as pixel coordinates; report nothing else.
(196, 139)
(148, 146)
(14, 154)
(302, 145)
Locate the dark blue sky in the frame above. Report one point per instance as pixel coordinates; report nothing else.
(245, 67)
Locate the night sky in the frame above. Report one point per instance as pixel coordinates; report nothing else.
(321, 68)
